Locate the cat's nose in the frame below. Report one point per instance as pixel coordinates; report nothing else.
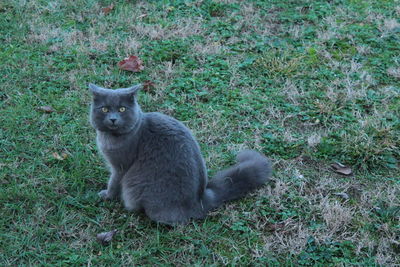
(113, 120)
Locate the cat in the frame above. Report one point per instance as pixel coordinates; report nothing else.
(156, 164)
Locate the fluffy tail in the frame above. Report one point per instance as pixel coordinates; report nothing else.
(251, 171)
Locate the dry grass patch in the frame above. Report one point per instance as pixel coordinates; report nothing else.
(182, 28)
(252, 22)
(65, 39)
(332, 28)
(209, 47)
(132, 45)
(211, 128)
(297, 31)
(393, 71)
(388, 26)
(336, 216)
(340, 217)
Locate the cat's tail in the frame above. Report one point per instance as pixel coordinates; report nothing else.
(251, 171)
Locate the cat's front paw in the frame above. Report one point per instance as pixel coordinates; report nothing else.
(103, 194)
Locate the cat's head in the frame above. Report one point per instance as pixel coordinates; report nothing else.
(114, 111)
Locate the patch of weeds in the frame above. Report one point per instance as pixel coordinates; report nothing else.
(341, 49)
(274, 215)
(221, 30)
(302, 11)
(165, 50)
(387, 213)
(371, 150)
(312, 58)
(276, 145)
(216, 9)
(241, 226)
(276, 64)
(326, 112)
(330, 253)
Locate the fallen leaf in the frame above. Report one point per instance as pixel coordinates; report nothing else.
(131, 63)
(106, 237)
(108, 9)
(341, 169)
(47, 109)
(142, 16)
(148, 85)
(60, 157)
(343, 195)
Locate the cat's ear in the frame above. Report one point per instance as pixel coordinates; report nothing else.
(94, 88)
(134, 89)
(131, 91)
(96, 91)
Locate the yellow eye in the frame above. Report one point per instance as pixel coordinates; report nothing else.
(122, 109)
(104, 109)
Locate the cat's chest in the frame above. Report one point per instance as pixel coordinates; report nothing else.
(119, 152)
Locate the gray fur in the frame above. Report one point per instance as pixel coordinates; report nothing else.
(156, 164)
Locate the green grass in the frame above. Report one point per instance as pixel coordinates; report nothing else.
(308, 83)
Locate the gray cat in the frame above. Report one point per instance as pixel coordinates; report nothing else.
(156, 164)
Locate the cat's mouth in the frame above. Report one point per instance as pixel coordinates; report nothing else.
(113, 127)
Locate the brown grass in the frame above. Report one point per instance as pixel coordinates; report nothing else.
(183, 28)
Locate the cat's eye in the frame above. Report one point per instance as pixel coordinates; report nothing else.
(122, 109)
(104, 109)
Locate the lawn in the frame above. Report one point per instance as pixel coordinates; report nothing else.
(308, 83)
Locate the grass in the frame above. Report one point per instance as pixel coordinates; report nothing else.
(307, 83)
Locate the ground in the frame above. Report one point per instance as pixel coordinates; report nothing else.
(308, 83)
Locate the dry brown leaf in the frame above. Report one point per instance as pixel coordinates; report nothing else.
(46, 109)
(148, 86)
(108, 9)
(131, 63)
(341, 169)
(60, 157)
(106, 237)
